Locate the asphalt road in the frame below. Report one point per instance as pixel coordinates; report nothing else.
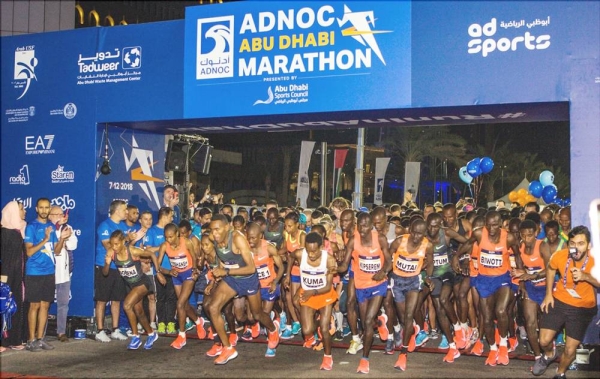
(90, 359)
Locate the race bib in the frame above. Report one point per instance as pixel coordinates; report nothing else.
(313, 282)
(406, 265)
(440, 260)
(263, 272)
(128, 272)
(369, 264)
(490, 260)
(179, 262)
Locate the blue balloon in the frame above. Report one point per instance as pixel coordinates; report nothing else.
(536, 188)
(464, 175)
(549, 193)
(546, 178)
(473, 167)
(566, 202)
(486, 165)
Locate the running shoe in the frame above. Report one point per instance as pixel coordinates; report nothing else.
(296, 327)
(226, 355)
(215, 350)
(171, 328)
(398, 339)
(179, 342)
(270, 353)
(150, 340)
(255, 329)
(444, 343)
(200, 328)
(451, 355)
(338, 336)
(503, 355)
(513, 343)
(421, 338)
(162, 328)
(287, 333)
(45, 345)
(283, 320)
(401, 362)
(541, 364)
(363, 366)
(135, 343)
(460, 338)
(309, 342)
(389, 347)
(273, 337)
(247, 335)
(477, 348)
(560, 339)
(346, 331)
(233, 339)
(153, 325)
(189, 325)
(412, 344)
(210, 335)
(34, 346)
(327, 364)
(354, 347)
(492, 358)
(102, 336)
(382, 328)
(434, 334)
(523, 333)
(117, 335)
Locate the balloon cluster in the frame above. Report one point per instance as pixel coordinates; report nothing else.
(544, 188)
(474, 168)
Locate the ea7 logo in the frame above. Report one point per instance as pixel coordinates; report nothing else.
(39, 144)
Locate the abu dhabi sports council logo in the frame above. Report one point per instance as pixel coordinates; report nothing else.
(269, 99)
(25, 64)
(132, 57)
(22, 178)
(361, 29)
(214, 51)
(143, 173)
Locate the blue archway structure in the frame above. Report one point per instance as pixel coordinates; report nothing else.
(250, 66)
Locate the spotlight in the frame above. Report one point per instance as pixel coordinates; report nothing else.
(105, 169)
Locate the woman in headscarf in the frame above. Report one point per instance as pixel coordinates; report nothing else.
(13, 264)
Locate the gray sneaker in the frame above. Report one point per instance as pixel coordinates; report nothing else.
(45, 345)
(33, 346)
(541, 364)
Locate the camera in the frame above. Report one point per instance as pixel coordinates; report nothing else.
(211, 198)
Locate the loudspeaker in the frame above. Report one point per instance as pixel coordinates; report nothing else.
(201, 159)
(176, 156)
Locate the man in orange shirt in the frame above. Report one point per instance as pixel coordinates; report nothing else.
(572, 303)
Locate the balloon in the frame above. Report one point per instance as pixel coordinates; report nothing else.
(549, 193)
(529, 198)
(558, 202)
(464, 175)
(535, 188)
(513, 196)
(486, 165)
(566, 202)
(473, 167)
(522, 200)
(522, 192)
(546, 178)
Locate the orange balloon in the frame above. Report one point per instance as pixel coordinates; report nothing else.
(531, 198)
(522, 192)
(513, 196)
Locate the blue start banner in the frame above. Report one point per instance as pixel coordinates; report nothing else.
(296, 57)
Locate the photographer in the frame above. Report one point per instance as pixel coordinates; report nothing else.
(571, 304)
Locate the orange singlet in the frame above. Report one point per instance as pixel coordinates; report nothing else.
(494, 257)
(292, 245)
(181, 260)
(265, 267)
(534, 263)
(366, 261)
(409, 264)
(474, 262)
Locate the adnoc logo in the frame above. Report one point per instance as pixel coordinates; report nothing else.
(25, 64)
(274, 43)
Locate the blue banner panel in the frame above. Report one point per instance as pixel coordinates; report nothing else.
(135, 71)
(137, 162)
(257, 58)
(467, 53)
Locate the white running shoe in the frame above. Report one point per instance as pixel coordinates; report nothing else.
(117, 335)
(102, 337)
